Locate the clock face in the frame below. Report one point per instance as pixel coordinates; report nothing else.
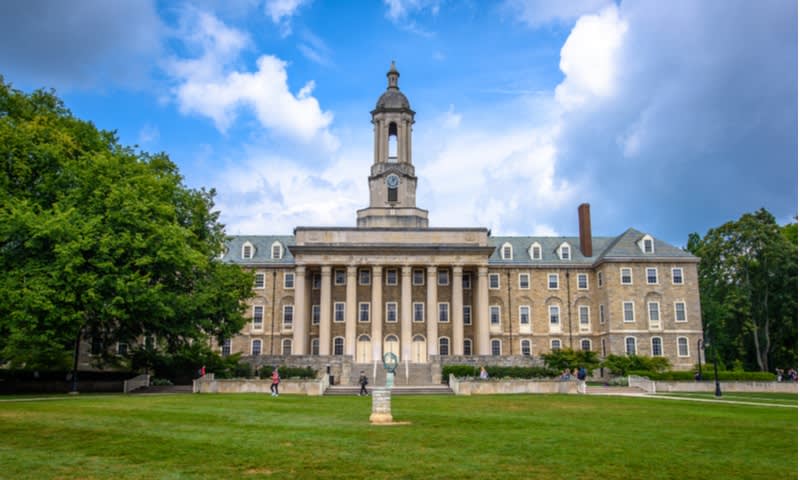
(392, 181)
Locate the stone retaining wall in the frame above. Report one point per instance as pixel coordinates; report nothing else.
(733, 387)
(208, 384)
(490, 387)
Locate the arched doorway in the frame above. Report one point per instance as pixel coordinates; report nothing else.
(418, 347)
(391, 344)
(363, 349)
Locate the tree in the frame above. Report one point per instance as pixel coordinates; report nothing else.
(748, 290)
(567, 358)
(98, 241)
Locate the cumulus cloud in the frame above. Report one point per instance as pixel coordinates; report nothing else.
(79, 44)
(211, 86)
(668, 106)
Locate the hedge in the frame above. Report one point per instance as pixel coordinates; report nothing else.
(265, 371)
(707, 376)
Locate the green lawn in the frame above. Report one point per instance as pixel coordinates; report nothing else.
(503, 436)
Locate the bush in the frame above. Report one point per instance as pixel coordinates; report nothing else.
(156, 382)
(265, 371)
(622, 364)
(708, 375)
(469, 371)
(567, 358)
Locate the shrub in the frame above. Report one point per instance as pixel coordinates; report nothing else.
(622, 364)
(571, 359)
(265, 371)
(708, 375)
(468, 371)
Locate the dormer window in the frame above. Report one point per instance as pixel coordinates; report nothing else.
(564, 252)
(535, 251)
(248, 250)
(277, 251)
(506, 252)
(647, 245)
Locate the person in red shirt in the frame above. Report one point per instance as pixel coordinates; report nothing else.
(276, 379)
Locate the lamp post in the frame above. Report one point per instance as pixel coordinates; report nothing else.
(717, 391)
(75, 356)
(699, 360)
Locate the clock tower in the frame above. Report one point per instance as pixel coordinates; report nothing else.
(392, 183)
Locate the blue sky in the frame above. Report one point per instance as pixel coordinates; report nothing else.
(669, 117)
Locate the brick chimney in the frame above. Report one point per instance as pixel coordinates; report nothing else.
(585, 229)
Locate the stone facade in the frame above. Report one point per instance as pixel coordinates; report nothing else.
(427, 294)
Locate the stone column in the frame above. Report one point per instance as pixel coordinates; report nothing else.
(300, 327)
(458, 311)
(482, 314)
(325, 312)
(350, 313)
(405, 315)
(432, 312)
(376, 313)
(401, 141)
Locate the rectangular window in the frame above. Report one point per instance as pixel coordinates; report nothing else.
(259, 281)
(338, 346)
(630, 345)
(314, 314)
(256, 347)
(555, 344)
(583, 315)
(122, 349)
(494, 281)
(419, 312)
(564, 252)
(288, 316)
(316, 281)
(276, 251)
(677, 276)
(625, 276)
(656, 345)
(363, 312)
(652, 275)
(524, 315)
(288, 280)
(391, 276)
(552, 281)
(555, 315)
(339, 276)
(653, 312)
(627, 312)
(683, 347)
(338, 312)
(599, 279)
(258, 317)
(391, 312)
(392, 194)
(444, 277)
(226, 347)
(315, 346)
(583, 281)
(494, 314)
(506, 252)
(524, 281)
(467, 346)
(418, 277)
(680, 312)
(602, 314)
(497, 348)
(444, 312)
(363, 277)
(536, 252)
(648, 245)
(466, 281)
(467, 315)
(526, 347)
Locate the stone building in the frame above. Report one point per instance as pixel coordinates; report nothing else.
(394, 284)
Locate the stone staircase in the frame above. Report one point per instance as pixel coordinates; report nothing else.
(405, 375)
(349, 390)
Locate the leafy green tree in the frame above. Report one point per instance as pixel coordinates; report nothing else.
(622, 364)
(567, 358)
(100, 241)
(748, 290)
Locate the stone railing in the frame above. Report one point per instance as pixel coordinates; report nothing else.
(136, 382)
(642, 383)
(727, 386)
(209, 384)
(495, 386)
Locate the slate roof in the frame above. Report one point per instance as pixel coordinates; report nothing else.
(621, 248)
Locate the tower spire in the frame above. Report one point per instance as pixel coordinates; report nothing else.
(392, 75)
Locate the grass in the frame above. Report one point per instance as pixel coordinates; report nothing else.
(503, 436)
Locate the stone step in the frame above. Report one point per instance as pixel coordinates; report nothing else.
(348, 390)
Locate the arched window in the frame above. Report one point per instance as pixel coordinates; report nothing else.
(630, 345)
(338, 346)
(535, 251)
(506, 251)
(276, 251)
(657, 350)
(683, 347)
(286, 346)
(248, 251)
(525, 347)
(392, 142)
(444, 346)
(565, 251)
(467, 346)
(647, 244)
(497, 349)
(255, 347)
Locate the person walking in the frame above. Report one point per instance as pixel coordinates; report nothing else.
(362, 380)
(276, 380)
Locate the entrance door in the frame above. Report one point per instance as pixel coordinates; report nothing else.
(391, 344)
(418, 349)
(363, 349)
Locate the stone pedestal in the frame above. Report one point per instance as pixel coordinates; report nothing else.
(381, 406)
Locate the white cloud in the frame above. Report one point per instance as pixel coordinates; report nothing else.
(589, 58)
(281, 12)
(536, 13)
(210, 86)
(315, 49)
(401, 9)
(148, 133)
